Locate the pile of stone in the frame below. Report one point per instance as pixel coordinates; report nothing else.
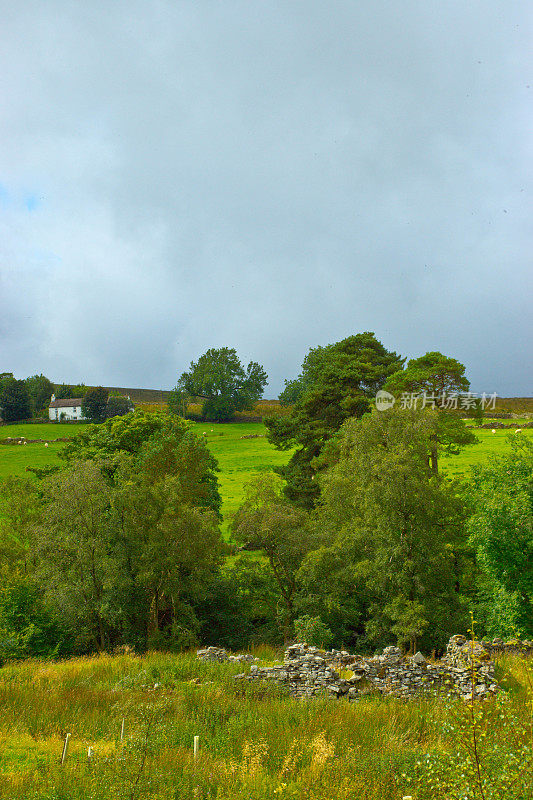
(309, 671)
(221, 655)
(497, 646)
(464, 659)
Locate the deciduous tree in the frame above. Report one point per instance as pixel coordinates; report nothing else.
(219, 378)
(394, 532)
(118, 406)
(501, 530)
(171, 552)
(159, 443)
(14, 400)
(267, 522)
(63, 390)
(94, 403)
(75, 562)
(40, 390)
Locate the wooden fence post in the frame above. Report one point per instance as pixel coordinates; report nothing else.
(65, 749)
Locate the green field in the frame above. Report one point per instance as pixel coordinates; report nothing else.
(489, 445)
(239, 459)
(255, 742)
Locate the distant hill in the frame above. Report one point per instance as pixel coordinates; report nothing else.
(142, 395)
(514, 405)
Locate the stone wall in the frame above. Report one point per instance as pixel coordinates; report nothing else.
(514, 646)
(309, 671)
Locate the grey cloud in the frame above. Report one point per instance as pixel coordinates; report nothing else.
(268, 176)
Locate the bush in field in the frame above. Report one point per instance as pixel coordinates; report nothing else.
(313, 631)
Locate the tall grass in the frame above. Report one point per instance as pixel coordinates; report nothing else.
(255, 741)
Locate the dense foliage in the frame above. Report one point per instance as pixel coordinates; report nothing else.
(40, 390)
(62, 390)
(393, 537)
(94, 403)
(433, 373)
(269, 523)
(502, 532)
(360, 540)
(118, 405)
(15, 401)
(119, 545)
(337, 382)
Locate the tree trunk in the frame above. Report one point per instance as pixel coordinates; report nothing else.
(153, 620)
(434, 456)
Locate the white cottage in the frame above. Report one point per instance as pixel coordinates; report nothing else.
(68, 408)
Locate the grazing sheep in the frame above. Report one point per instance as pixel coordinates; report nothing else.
(493, 430)
(518, 430)
(46, 444)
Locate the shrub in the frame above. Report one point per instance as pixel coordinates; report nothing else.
(313, 631)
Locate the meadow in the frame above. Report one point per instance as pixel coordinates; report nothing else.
(255, 742)
(489, 445)
(239, 458)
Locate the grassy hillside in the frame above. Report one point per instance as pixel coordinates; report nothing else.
(490, 444)
(239, 458)
(15, 458)
(254, 742)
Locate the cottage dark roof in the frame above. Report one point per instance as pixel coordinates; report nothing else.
(66, 402)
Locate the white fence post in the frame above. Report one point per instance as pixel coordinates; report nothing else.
(65, 749)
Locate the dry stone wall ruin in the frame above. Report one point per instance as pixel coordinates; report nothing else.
(308, 671)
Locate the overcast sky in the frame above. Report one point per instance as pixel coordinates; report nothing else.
(267, 176)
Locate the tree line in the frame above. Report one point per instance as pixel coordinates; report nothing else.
(360, 538)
